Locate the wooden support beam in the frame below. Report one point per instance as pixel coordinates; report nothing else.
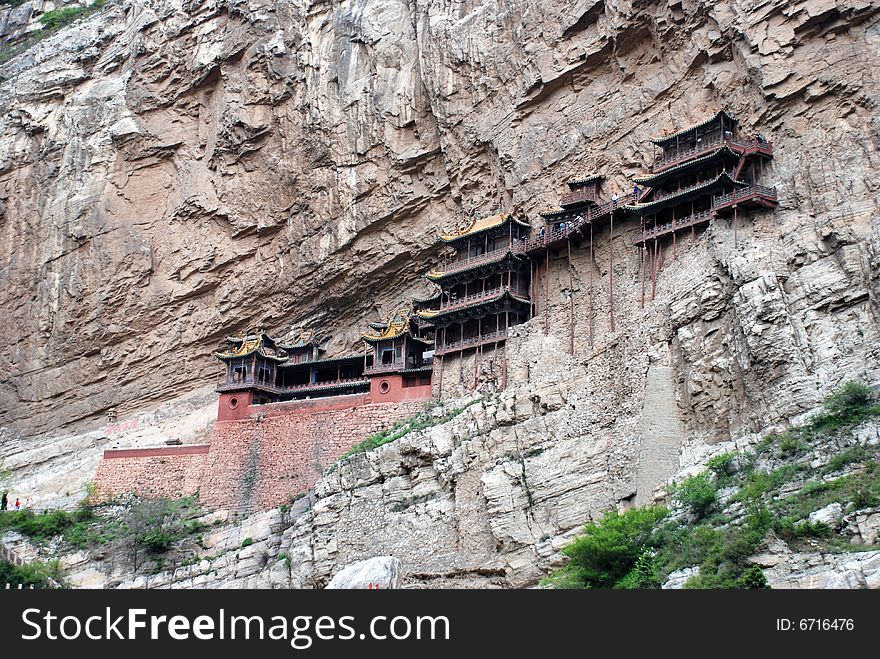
(591, 285)
(570, 303)
(642, 254)
(611, 269)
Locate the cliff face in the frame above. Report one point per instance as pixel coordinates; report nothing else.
(175, 171)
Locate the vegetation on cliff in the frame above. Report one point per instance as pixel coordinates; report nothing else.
(140, 529)
(722, 516)
(52, 21)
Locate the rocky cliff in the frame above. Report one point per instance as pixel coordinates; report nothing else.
(174, 171)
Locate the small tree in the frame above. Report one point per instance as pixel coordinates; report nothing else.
(610, 549)
(698, 493)
(151, 527)
(850, 400)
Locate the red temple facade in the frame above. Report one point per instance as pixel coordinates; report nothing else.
(261, 370)
(400, 360)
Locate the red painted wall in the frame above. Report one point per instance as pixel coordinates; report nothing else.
(173, 471)
(264, 461)
(390, 389)
(234, 405)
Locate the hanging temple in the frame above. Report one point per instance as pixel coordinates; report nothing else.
(488, 281)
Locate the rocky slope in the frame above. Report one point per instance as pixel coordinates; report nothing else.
(174, 171)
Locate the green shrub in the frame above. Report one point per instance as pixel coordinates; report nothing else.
(699, 493)
(37, 573)
(40, 527)
(247, 542)
(400, 429)
(723, 465)
(789, 446)
(643, 574)
(57, 18)
(753, 578)
(610, 548)
(853, 398)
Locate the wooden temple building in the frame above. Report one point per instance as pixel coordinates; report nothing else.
(700, 173)
(399, 359)
(261, 370)
(490, 279)
(483, 287)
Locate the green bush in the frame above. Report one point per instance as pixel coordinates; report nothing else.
(643, 574)
(247, 542)
(725, 557)
(723, 465)
(789, 446)
(851, 404)
(610, 548)
(40, 527)
(699, 493)
(36, 573)
(852, 399)
(57, 18)
(753, 578)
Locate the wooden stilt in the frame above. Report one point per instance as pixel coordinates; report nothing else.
(547, 295)
(591, 285)
(611, 269)
(654, 270)
(643, 255)
(571, 303)
(734, 226)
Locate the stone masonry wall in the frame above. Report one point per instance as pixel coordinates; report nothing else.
(266, 460)
(253, 464)
(155, 473)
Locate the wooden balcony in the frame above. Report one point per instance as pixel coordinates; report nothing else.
(670, 227)
(471, 261)
(397, 367)
(741, 146)
(251, 383)
(473, 342)
(750, 197)
(555, 238)
(475, 298)
(583, 196)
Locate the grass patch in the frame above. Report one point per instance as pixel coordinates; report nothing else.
(420, 421)
(52, 21)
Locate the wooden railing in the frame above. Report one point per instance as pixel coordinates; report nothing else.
(744, 193)
(468, 300)
(472, 342)
(471, 261)
(225, 385)
(229, 385)
(707, 145)
(750, 192)
(669, 227)
(578, 197)
(556, 234)
(396, 366)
